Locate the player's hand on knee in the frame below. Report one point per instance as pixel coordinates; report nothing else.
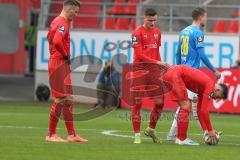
(160, 63)
(186, 104)
(158, 101)
(69, 100)
(60, 101)
(163, 64)
(66, 59)
(137, 101)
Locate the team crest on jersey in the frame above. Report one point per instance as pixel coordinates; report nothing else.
(134, 40)
(155, 36)
(61, 29)
(200, 39)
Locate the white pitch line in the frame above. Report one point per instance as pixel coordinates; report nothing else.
(20, 114)
(232, 144)
(22, 127)
(106, 131)
(12, 99)
(196, 134)
(110, 132)
(32, 127)
(113, 133)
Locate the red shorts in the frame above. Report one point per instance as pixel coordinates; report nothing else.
(179, 90)
(145, 82)
(59, 78)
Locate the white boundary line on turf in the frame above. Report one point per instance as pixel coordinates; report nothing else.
(113, 133)
(18, 114)
(110, 132)
(32, 127)
(196, 134)
(103, 131)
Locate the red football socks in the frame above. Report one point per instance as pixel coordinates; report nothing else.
(55, 113)
(68, 117)
(155, 114)
(136, 117)
(183, 122)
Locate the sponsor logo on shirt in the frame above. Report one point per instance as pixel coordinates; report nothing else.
(151, 45)
(200, 39)
(155, 36)
(61, 29)
(134, 40)
(184, 58)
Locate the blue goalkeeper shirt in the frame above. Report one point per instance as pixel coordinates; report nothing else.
(190, 48)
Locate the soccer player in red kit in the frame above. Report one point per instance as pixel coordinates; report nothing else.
(59, 46)
(146, 40)
(182, 78)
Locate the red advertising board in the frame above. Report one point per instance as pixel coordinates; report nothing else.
(232, 78)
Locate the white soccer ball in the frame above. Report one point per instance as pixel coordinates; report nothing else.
(207, 140)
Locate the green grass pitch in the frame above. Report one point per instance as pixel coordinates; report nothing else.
(23, 127)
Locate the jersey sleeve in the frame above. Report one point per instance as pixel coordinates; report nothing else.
(205, 59)
(199, 39)
(136, 39)
(138, 48)
(159, 39)
(203, 112)
(159, 45)
(178, 52)
(58, 38)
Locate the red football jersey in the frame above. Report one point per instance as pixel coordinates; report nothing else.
(193, 79)
(183, 77)
(146, 44)
(197, 81)
(59, 38)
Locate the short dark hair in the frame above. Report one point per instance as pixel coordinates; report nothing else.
(197, 12)
(224, 90)
(71, 2)
(238, 62)
(150, 12)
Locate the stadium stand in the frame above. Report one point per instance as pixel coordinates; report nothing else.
(132, 24)
(233, 27)
(110, 23)
(181, 12)
(88, 13)
(13, 57)
(122, 24)
(123, 8)
(118, 7)
(88, 22)
(220, 26)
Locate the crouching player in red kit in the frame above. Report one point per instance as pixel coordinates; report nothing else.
(59, 46)
(182, 78)
(146, 41)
